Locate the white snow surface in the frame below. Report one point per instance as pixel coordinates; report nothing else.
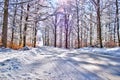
(49, 63)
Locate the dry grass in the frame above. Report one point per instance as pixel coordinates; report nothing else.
(15, 46)
(110, 44)
(29, 44)
(0, 42)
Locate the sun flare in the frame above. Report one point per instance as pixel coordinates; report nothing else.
(63, 1)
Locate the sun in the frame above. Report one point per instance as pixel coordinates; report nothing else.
(63, 1)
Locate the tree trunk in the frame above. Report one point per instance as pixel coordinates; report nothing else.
(5, 24)
(115, 32)
(117, 22)
(99, 24)
(66, 30)
(55, 38)
(21, 17)
(13, 27)
(90, 30)
(81, 36)
(66, 39)
(35, 35)
(35, 39)
(72, 40)
(55, 33)
(78, 27)
(61, 30)
(25, 27)
(48, 42)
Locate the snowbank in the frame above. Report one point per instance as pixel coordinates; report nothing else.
(105, 51)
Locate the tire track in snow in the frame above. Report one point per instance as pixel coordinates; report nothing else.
(61, 70)
(58, 69)
(80, 70)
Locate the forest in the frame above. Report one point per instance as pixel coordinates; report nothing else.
(59, 39)
(59, 23)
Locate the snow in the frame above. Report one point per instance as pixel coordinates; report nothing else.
(39, 38)
(49, 63)
(105, 51)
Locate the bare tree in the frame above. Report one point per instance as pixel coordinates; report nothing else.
(78, 26)
(14, 24)
(26, 25)
(20, 27)
(98, 11)
(66, 24)
(55, 31)
(99, 23)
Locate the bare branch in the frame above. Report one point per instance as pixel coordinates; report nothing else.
(93, 2)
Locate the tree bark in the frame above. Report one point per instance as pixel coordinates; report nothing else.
(55, 33)
(5, 24)
(25, 27)
(13, 27)
(35, 39)
(81, 36)
(35, 34)
(99, 24)
(115, 31)
(90, 30)
(61, 30)
(117, 22)
(78, 26)
(66, 30)
(21, 17)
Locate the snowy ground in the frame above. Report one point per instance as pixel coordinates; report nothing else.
(48, 63)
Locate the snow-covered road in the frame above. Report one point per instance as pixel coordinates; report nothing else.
(48, 63)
